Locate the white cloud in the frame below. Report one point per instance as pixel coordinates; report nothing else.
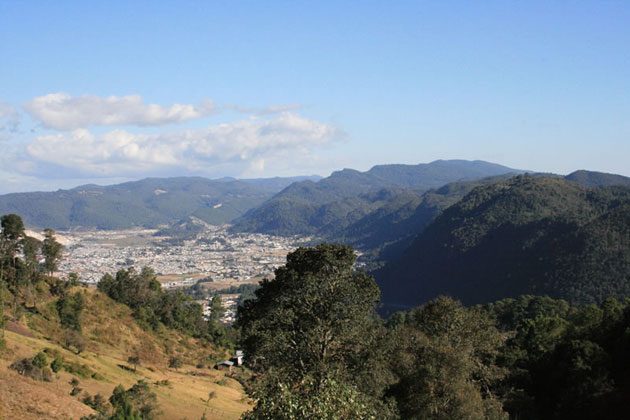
(229, 147)
(64, 112)
(9, 120)
(268, 110)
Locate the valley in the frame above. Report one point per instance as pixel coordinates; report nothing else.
(215, 255)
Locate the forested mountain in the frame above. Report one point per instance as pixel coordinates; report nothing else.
(391, 227)
(148, 202)
(307, 207)
(528, 235)
(597, 179)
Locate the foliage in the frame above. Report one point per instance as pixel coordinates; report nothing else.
(57, 364)
(134, 360)
(137, 402)
(39, 361)
(528, 235)
(314, 400)
(313, 324)
(35, 367)
(175, 362)
(69, 308)
(96, 402)
(51, 250)
(152, 306)
(445, 361)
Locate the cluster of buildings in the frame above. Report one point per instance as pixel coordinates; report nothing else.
(214, 254)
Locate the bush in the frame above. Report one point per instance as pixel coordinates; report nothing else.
(47, 374)
(57, 364)
(175, 362)
(40, 360)
(75, 368)
(97, 402)
(72, 338)
(33, 368)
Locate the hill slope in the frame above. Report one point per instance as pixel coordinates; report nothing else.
(111, 334)
(524, 236)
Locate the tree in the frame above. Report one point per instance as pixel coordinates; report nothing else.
(39, 360)
(73, 279)
(51, 249)
(313, 324)
(10, 239)
(216, 311)
(175, 362)
(445, 360)
(69, 308)
(134, 360)
(5, 297)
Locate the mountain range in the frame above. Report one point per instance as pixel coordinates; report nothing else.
(473, 230)
(146, 203)
(338, 201)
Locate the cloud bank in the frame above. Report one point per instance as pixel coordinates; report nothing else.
(242, 144)
(61, 111)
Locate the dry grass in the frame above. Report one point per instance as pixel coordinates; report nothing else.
(111, 336)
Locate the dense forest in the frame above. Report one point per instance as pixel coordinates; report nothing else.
(320, 352)
(527, 235)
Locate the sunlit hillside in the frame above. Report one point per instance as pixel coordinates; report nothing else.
(111, 336)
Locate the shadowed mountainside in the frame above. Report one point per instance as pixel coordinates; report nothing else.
(528, 235)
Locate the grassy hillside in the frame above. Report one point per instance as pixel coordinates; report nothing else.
(111, 335)
(528, 235)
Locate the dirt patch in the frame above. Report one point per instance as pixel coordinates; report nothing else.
(16, 328)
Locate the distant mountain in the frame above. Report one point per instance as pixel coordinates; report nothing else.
(306, 207)
(527, 235)
(148, 203)
(597, 179)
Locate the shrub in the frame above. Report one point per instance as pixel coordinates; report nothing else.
(40, 360)
(97, 402)
(75, 368)
(47, 374)
(57, 364)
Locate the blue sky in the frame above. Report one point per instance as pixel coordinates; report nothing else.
(111, 91)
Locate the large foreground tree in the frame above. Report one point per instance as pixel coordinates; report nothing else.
(310, 334)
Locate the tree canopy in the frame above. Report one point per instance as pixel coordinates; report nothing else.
(311, 328)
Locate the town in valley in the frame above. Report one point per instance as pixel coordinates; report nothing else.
(215, 258)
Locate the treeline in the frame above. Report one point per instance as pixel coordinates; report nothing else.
(152, 307)
(27, 266)
(320, 352)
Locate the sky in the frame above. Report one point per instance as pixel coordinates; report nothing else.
(105, 92)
